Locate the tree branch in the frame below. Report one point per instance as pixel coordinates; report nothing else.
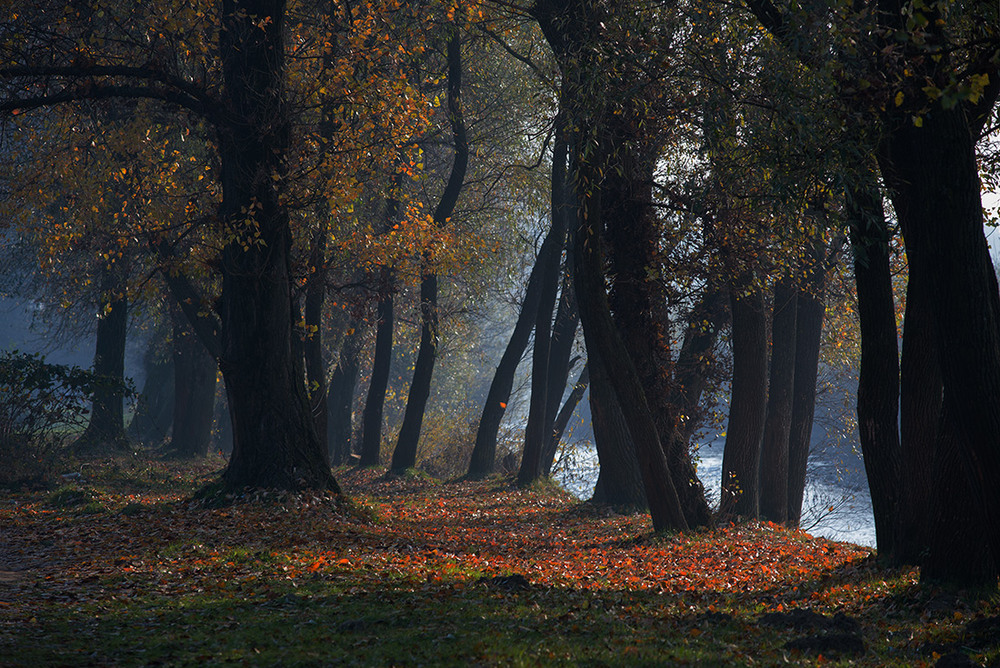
(90, 71)
(91, 91)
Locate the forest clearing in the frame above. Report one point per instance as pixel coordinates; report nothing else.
(351, 273)
(121, 567)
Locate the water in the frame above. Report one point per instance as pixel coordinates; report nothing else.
(836, 505)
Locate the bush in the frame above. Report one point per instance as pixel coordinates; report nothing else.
(41, 405)
(446, 440)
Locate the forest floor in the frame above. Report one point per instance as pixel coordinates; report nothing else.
(121, 567)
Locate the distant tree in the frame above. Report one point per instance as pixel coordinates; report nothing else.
(194, 391)
(343, 383)
(106, 427)
(538, 429)
(405, 454)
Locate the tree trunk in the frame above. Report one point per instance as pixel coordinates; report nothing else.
(313, 344)
(809, 333)
(619, 481)
(341, 401)
(405, 454)
(933, 178)
(371, 418)
(155, 408)
(484, 453)
(194, 392)
(106, 428)
(747, 406)
(694, 361)
(603, 340)
(639, 302)
(562, 419)
(573, 29)
(275, 444)
(957, 513)
(223, 431)
(691, 375)
(778, 423)
(539, 426)
(920, 397)
(560, 352)
(878, 379)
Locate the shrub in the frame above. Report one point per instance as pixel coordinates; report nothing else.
(41, 404)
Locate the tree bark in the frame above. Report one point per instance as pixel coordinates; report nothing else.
(878, 380)
(619, 481)
(405, 454)
(275, 444)
(809, 333)
(920, 397)
(778, 422)
(747, 406)
(934, 183)
(563, 417)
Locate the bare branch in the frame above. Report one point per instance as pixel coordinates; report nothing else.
(93, 91)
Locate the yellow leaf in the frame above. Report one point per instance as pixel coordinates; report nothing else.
(899, 98)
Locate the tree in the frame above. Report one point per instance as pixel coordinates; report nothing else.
(371, 417)
(405, 454)
(194, 391)
(483, 458)
(567, 320)
(931, 109)
(154, 406)
(573, 30)
(747, 407)
(539, 427)
(878, 393)
(563, 417)
(107, 418)
(809, 317)
(619, 481)
(275, 444)
(342, 386)
(774, 453)
(236, 93)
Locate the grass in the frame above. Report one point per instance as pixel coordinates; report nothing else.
(417, 572)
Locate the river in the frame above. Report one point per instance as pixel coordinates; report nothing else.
(837, 504)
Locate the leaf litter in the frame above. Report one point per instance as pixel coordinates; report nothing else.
(550, 580)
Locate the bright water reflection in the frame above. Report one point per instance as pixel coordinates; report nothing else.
(837, 504)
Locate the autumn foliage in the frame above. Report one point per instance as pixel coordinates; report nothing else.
(89, 571)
